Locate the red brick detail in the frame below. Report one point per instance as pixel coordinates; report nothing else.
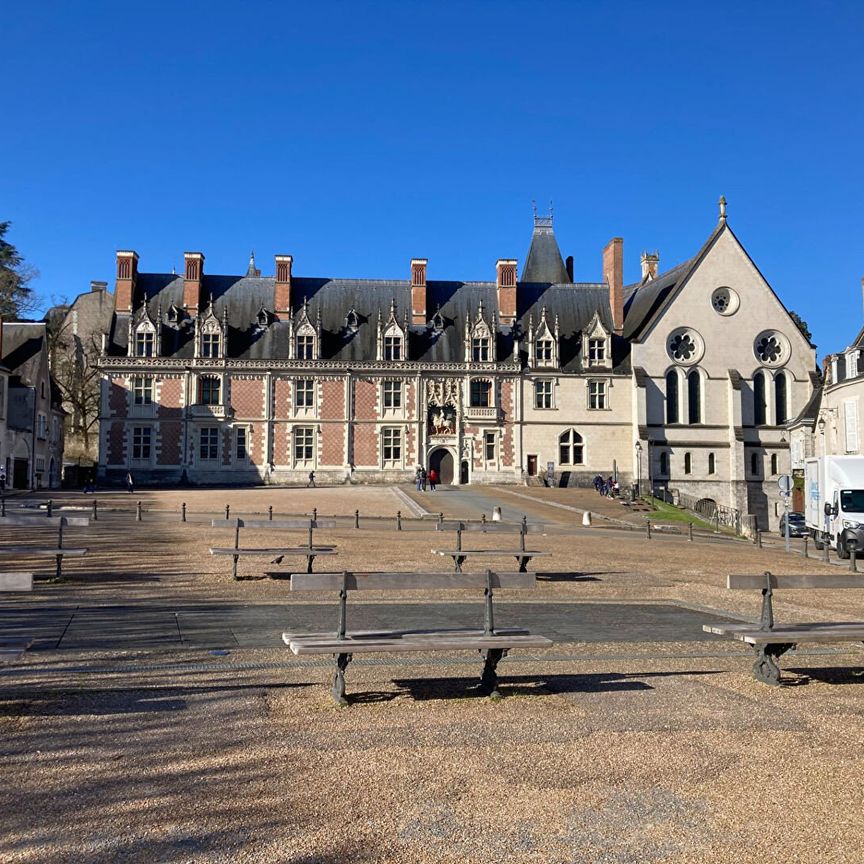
(282, 397)
(255, 443)
(116, 444)
(332, 404)
(418, 290)
(505, 283)
(281, 444)
(333, 445)
(170, 435)
(227, 436)
(366, 400)
(282, 288)
(613, 275)
(118, 397)
(170, 398)
(365, 445)
(247, 397)
(127, 275)
(193, 276)
(507, 406)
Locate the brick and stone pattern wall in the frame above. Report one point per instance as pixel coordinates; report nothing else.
(117, 444)
(170, 438)
(281, 444)
(227, 441)
(282, 397)
(247, 397)
(170, 402)
(118, 397)
(333, 444)
(332, 401)
(365, 445)
(256, 443)
(508, 407)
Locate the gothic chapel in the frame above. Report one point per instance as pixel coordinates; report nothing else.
(682, 381)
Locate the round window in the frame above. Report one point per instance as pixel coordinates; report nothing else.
(725, 301)
(685, 346)
(771, 348)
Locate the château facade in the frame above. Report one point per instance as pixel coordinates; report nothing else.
(682, 380)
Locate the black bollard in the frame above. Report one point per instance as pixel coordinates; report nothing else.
(825, 550)
(853, 560)
(806, 552)
(398, 520)
(183, 512)
(270, 512)
(138, 513)
(648, 530)
(759, 538)
(690, 531)
(227, 511)
(356, 518)
(2, 506)
(440, 518)
(95, 511)
(314, 514)
(50, 508)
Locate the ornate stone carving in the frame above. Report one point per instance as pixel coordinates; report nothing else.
(442, 398)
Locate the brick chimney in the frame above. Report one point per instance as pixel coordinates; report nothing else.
(193, 277)
(127, 276)
(505, 284)
(613, 276)
(418, 290)
(282, 289)
(650, 262)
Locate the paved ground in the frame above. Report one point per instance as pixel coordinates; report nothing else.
(635, 738)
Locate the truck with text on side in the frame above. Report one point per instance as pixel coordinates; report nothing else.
(834, 502)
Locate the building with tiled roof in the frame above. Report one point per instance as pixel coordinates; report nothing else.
(681, 381)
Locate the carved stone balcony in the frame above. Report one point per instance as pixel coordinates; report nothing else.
(483, 413)
(205, 412)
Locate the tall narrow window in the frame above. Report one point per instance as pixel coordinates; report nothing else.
(597, 395)
(145, 342)
(688, 463)
(241, 443)
(304, 393)
(773, 464)
(570, 448)
(480, 394)
(543, 394)
(392, 347)
(780, 398)
(304, 442)
(596, 352)
(543, 351)
(210, 343)
(480, 349)
(754, 464)
(209, 443)
(141, 442)
(305, 347)
(489, 445)
(391, 448)
(672, 396)
(209, 390)
(392, 394)
(712, 463)
(694, 397)
(759, 399)
(142, 390)
(664, 464)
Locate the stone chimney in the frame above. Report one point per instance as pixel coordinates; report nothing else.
(127, 276)
(193, 277)
(505, 284)
(282, 288)
(650, 262)
(613, 276)
(418, 290)
(98, 287)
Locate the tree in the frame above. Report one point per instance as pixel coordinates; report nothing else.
(16, 296)
(801, 324)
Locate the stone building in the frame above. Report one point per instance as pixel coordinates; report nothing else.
(684, 378)
(31, 447)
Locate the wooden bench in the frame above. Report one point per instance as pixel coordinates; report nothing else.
(771, 641)
(494, 644)
(59, 551)
(12, 649)
(459, 554)
(277, 553)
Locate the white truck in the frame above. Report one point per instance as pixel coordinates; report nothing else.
(834, 502)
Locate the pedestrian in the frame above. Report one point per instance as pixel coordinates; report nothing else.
(433, 479)
(418, 478)
(130, 483)
(423, 478)
(2, 479)
(311, 482)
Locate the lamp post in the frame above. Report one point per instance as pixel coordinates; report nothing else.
(638, 467)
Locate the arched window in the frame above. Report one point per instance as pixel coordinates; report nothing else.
(209, 390)
(664, 463)
(773, 464)
(694, 397)
(780, 398)
(672, 396)
(712, 463)
(759, 399)
(571, 448)
(688, 463)
(754, 464)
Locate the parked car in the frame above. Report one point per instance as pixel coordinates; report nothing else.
(797, 525)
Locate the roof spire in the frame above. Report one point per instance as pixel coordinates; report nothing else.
(722, 204)
(252, 271)
(544, 262)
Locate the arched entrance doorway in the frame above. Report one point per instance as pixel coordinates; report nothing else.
(20, 465)
(441, 460)
(463, 473)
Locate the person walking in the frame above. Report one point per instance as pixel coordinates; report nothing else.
(130, 483)
(433, 479)
(311, 483)
(2, 479)
(423, 478)
(418, 478)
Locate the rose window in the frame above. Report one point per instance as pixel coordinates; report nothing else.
(771, 348)
(725, 301)
(685, 346)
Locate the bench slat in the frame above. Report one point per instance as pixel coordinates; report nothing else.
(520, 553)
(489, 527)
(272, 523)
(812, 632)
(16, 581)
(751, 581)
(407, 581)
(397, 634)
(446, 643)
(276, 550)
(32, 520)
(41, 550)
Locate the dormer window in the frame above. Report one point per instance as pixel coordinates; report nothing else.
(543, 341)
(145, 343)
(211, 344)
(480, 349)
(305, 347)
(304, 339)
(596, 352)
(173, 314)
(263, 317)
(544, 351)
(392, 347)
(352, 322)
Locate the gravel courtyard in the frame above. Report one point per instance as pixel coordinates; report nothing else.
(603, 750)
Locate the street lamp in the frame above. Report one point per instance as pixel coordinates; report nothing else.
(638, 467)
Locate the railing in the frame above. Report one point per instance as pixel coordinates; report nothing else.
(710, 510)
(207, 410)
(490, 413)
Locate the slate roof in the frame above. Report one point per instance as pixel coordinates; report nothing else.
(544, 262)
(22, 349)
(810, 412)
(574, 304)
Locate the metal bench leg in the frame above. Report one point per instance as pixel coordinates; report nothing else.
(309, 560)
(457, 563)
(523, 563)
(342, 661)
(489, 678)
(234, 567)
(765, 669)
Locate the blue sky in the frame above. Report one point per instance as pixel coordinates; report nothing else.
(357, 135)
